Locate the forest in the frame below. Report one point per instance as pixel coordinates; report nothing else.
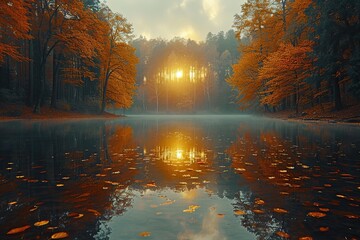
(280, 55)
(184, 76)
(66, 54)
(299, 54)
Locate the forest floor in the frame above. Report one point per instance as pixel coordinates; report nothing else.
(14, 111)
(322, 113)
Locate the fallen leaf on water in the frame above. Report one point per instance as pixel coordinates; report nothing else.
(280, 210)
(59, 235)
(324, 229)
(324, 209)
(79, 216)
(316, 214)
(18, 230)
(12, 203)
(221, 215)
(145, 234)
(41, 223)
(305, 238)
(340, 196)
(283, 234)
(96, 213)
(239, 212)
(52, 228)
(259, 201)
(72, 214)
(258, 211)
(34, 208)
(59, 185)
(168, 202)
(151, 184)
(240, 169)
(352, 216)
(191, 208)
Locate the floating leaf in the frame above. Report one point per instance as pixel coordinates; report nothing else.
(151, 184)
(280, 210)
(145, 234)
(18, 230)
(79, 216)
(340, 196)
(324, 209)
(59, 235)
(258, 211)
(41, 223)
(168, 202)
(352, 216)
(34, 208)
(191, 208)
(305, 238)
(12, 203)
(239, 212)
(259, 201)
(316, 214)
(52, 228)
(221, 215)
(96, 213)
(324, 229)
(283, 234)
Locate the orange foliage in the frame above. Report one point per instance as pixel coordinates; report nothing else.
(285, 71)
(14, 25)
(118, 62)
(245, 78)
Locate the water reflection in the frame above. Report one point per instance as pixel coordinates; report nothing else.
(179, 178)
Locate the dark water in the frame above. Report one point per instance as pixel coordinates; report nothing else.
(180, 178)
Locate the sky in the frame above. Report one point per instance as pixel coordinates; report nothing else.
(177, 18)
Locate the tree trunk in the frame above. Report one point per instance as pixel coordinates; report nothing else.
(103, 102)
(54, 82)
(337, 95)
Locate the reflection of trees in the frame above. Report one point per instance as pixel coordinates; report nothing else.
(66, 174)
(296, 169)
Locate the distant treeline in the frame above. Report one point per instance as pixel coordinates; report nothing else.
(185, 76)
(300, 54)
(69, 54)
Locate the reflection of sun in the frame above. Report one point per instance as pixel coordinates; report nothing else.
(179, 74)
(179, 154)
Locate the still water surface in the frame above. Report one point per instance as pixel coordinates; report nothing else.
(184, 177)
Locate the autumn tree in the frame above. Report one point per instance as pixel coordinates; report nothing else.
(285, 72)
(14, 26)
(117, 61)
(56, 24)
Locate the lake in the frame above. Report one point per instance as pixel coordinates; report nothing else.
(179, 177)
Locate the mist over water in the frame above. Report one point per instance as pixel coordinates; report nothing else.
(180, 177)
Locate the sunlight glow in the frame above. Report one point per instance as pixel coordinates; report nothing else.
(179, 154)
(179, 74)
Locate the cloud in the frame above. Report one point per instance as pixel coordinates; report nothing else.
(211, 8)
(209, 229)
(186, 18)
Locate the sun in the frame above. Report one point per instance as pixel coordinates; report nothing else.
(179, 74)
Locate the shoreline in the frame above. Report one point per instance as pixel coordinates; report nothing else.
(16, 113)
